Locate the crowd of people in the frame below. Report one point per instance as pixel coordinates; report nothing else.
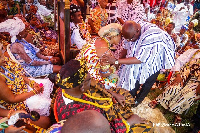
(124, 46)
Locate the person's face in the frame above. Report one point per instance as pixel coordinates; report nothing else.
(86, 83)
(33, 9)
(191, 25)
(43, 2)
(77, 17)
(24, 33)
(103, 3)
(2, 50)
(182, 31)
(169, 28)
(116, 39)
(132, 37)
(30, 1)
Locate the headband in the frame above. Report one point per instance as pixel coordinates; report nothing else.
(110, 30)
(74, 8)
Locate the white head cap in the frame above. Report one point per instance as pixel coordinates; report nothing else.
(110, 30)
(13, 26)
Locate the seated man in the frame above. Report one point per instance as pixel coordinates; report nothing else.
(184, 88)
(74, 81)
(88, 121)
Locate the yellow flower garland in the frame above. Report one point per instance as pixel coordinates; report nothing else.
(127, 125)
(88, 102)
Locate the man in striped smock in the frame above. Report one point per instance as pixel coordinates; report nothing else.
(147, 50)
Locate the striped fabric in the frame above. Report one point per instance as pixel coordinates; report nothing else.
(155, 49)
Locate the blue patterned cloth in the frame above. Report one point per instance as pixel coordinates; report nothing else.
(154, 48)
(31, 51)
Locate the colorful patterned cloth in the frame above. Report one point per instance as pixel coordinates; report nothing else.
(17, 86)
(177, 98)
(154, 48)
(113, 114)
(88, 53)
(99, 17)
(134, 11)
(31, 51)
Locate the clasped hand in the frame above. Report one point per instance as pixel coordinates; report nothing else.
(38, 88)
(108, 59)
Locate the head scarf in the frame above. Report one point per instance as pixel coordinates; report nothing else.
(195, 22)
(74, 9)
(168, 20)
(110, 30)
(72, 74)
(13, 26)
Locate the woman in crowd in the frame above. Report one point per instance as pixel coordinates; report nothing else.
(25, 53)
(13, 8)
(79, 36)
(74, 80)
(98, 47)
(98, 17)
(15, 93)
(184, 88)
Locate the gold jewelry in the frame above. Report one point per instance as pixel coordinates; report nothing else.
(127, 125)
(105, 67)
(31, 83)
(88, 102)
(34, 92)
(9, 113)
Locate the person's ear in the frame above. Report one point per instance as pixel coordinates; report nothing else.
(72, 17)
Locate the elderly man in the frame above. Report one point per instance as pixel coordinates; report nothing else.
(148, 50)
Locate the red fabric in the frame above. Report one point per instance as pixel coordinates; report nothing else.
(169, 77)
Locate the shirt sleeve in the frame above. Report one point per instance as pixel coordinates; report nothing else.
(77, 39)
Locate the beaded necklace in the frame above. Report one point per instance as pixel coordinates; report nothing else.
(6, 74)
(88, 102)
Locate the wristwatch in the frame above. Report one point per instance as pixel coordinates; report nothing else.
(116, 62)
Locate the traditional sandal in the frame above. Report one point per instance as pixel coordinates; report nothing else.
(153, 104)
(178, 119)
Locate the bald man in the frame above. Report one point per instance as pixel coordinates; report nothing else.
(147, 50)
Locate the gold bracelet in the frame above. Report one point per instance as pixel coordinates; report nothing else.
(34, 92)
(31, 83)
(105, 67)
(9, 113)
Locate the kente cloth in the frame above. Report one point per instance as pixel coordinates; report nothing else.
(88, 53)
(15, 82)
(17, 86)
(31, 51)
(114, 115)
(154, 48)
(179, 98)
(99, 17)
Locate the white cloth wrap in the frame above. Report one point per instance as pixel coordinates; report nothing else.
(41, 102)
